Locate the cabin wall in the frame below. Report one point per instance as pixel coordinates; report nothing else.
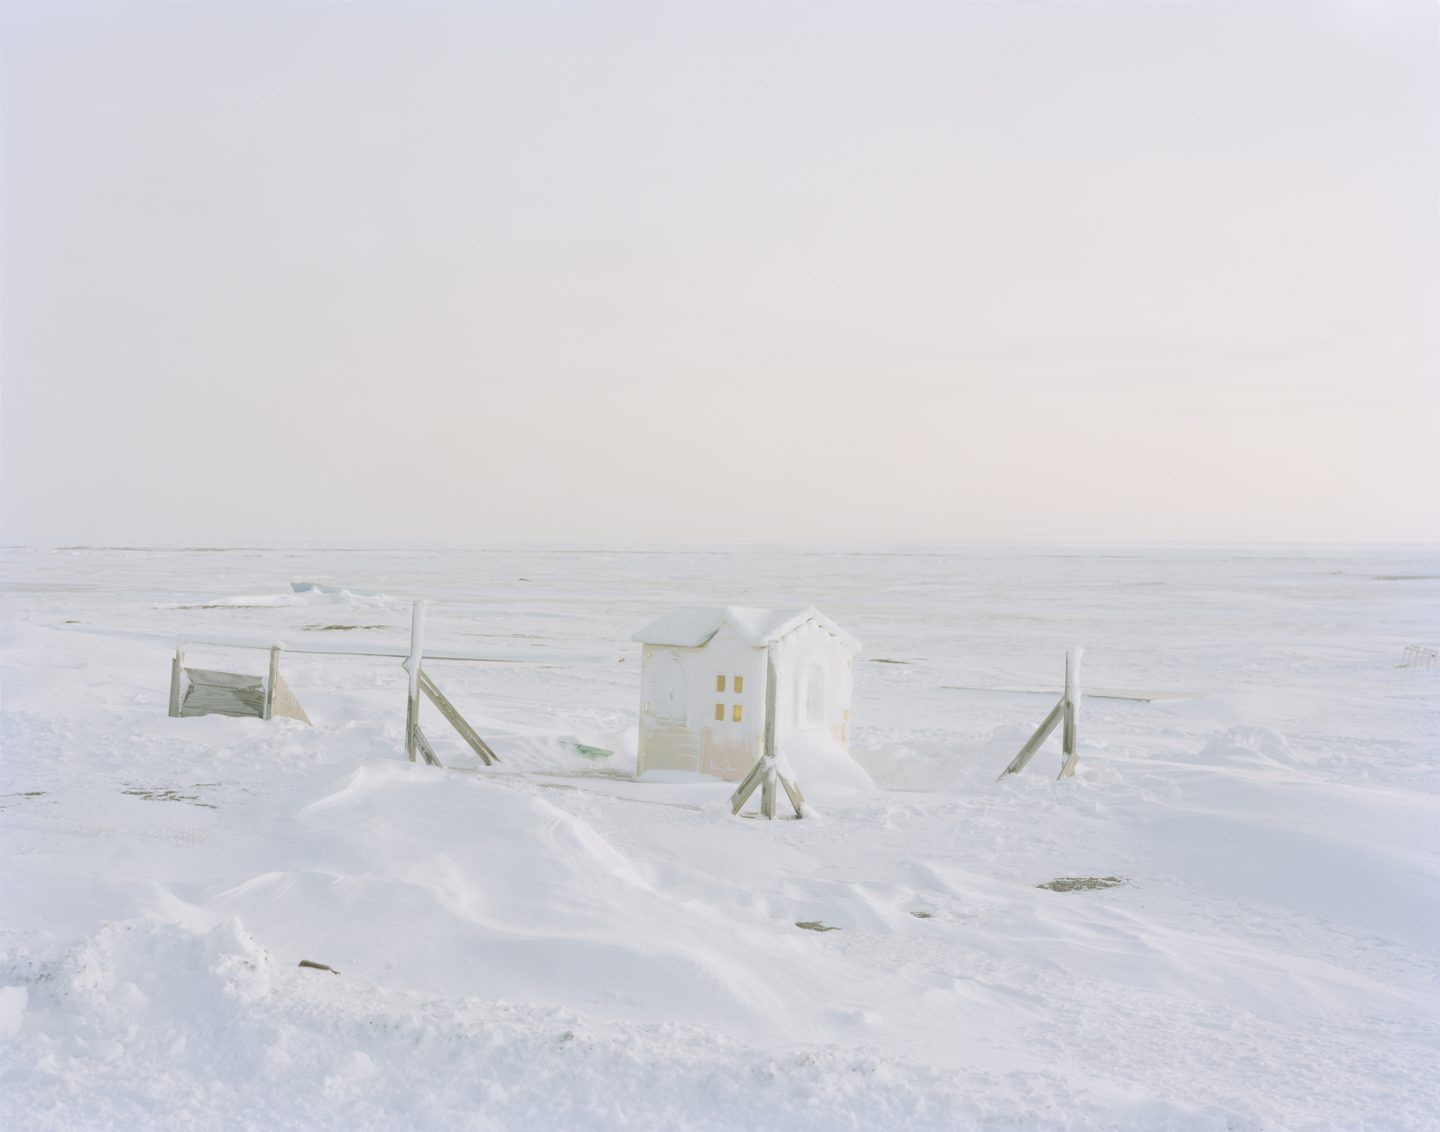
(692, 739)
(667, 746)
(729, 746)
(682, 688)
(815, 676)
(667, 740)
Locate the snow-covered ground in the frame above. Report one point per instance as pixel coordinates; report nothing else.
(550, 944)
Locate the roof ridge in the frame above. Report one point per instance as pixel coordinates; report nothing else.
(692, 626)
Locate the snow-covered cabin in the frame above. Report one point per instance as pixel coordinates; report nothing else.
(702, 698)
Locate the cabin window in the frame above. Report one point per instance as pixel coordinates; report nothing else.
(720, 712)
(739, 687)
(720, 684)
(735, 714)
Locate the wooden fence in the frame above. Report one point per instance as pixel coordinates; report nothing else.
(204, 691)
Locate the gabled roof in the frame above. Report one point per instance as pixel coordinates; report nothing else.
(691, 626)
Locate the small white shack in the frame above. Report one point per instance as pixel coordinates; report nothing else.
(703, 671)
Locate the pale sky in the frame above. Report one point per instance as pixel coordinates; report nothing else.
(721, 270)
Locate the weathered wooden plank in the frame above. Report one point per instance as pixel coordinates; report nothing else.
(249, 698)
(251, 693)
(1027, 752)
(747, 786)
(792, 791)
(1067, 768)
(412, 668)
(767, 792)
(271, 678)
(283, 702)
(456, 720)
(177, 672)
(770, 682)
(192, 712)
(1072, 697)
(423, 745)
(218, 699)
(215, 679)
(766, 765)
(1072, 712)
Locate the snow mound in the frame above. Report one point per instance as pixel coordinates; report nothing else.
(1248, 746)
(819, 761)
(13, 1001)
(519, 900)
(135, 965)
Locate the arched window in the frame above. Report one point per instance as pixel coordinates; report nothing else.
(812, 712)
(667, 697)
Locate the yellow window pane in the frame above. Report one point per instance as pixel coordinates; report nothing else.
(719, 683)
(719, 711)
(739, 684)
(735, 714)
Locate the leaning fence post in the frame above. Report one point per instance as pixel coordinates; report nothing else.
(1033, 744)
(412, 667)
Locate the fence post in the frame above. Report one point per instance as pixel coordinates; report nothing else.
(1072, 710)
(270, 681)
(412, 666)
(177, 671)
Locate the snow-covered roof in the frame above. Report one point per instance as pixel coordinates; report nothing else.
(691, 626)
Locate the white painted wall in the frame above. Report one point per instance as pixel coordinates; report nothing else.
(694, 740)
(810, 660)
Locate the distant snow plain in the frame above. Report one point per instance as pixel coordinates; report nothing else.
(550, 944)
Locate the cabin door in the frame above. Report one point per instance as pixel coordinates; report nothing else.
(668, 693)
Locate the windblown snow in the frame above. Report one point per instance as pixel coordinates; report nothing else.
(1240, 931)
